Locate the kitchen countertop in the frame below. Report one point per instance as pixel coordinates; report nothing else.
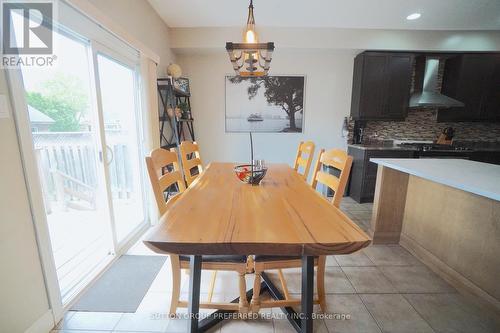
(475, 177)
(476, 148)
(492, 149)
(381, 147)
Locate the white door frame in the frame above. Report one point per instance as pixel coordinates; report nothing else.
(97, 48)
(35, 195)
(99, 122)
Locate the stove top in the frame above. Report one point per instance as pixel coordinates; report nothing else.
(424, 146)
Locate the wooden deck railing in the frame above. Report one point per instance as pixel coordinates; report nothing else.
(68, 166)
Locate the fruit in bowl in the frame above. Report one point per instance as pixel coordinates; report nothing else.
(244, 173)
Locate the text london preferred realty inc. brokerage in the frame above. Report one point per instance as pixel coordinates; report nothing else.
(27, 33)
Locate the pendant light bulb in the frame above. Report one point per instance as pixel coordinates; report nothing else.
(250, 58)
(250, 37)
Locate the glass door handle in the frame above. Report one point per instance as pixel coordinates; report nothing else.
(110, 151)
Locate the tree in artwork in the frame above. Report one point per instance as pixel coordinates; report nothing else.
(286, 92)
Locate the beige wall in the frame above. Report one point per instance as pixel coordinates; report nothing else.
(324, 56)
(23, 298)
(139, 19)
(327, 99)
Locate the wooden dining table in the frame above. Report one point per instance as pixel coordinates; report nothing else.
(220, 215)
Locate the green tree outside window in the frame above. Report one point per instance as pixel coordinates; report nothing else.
(64, 99)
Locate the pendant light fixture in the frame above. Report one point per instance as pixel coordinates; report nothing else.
(250, 58)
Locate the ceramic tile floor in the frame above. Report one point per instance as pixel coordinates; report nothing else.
(381, 289)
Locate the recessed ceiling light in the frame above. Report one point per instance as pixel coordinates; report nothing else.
(413, 16)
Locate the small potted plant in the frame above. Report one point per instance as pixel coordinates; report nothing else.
(186, 113)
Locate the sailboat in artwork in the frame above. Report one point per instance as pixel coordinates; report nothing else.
(255, 117)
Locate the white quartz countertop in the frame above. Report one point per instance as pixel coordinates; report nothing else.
(475, 177)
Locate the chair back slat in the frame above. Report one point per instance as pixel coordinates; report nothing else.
(168, 179)
(329, 180)
(337, 159)
(158, 163)
(190, 157)
(302, 161)
(305, 154)
(192, 163)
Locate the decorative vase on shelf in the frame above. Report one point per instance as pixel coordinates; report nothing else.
(345, 127)
(178, 112)
(174, 71)
(170, 112)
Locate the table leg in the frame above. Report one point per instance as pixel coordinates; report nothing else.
(307, 294)
(194, 292)
(216, 317)
(275, 293)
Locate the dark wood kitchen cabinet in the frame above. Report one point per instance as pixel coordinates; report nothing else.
(381, 85)
(473, 79)
(486, 156)
(490, 107)
(364, 172)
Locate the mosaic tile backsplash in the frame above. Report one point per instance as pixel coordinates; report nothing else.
(421, 124)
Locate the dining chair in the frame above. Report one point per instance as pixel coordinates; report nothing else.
(340, 161)
(192, 167)
(164, 173)
(191, 161)
(305, 154)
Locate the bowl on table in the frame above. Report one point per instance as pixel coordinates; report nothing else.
(244, 173)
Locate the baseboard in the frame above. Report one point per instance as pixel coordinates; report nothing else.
(387, 237)
(43, 324)
(462, 284)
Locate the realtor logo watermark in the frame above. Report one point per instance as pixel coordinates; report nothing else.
(27, 33)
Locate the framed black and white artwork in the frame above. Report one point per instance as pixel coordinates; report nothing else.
(181, 85)
(272, 104)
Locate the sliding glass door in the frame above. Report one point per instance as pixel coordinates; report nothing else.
(83, 120)
(118, 97)
(64, 129)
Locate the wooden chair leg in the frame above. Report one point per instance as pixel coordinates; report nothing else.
(320, 280)
(243, 303)
(283, 284)
(255, 303)
(176, 283)
(250, 264)
(212, 286)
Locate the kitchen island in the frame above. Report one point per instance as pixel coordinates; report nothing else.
(447, 213)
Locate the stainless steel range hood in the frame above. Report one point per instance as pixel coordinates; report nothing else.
(426, 86)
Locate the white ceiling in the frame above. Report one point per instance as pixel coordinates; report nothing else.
(364, 14)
